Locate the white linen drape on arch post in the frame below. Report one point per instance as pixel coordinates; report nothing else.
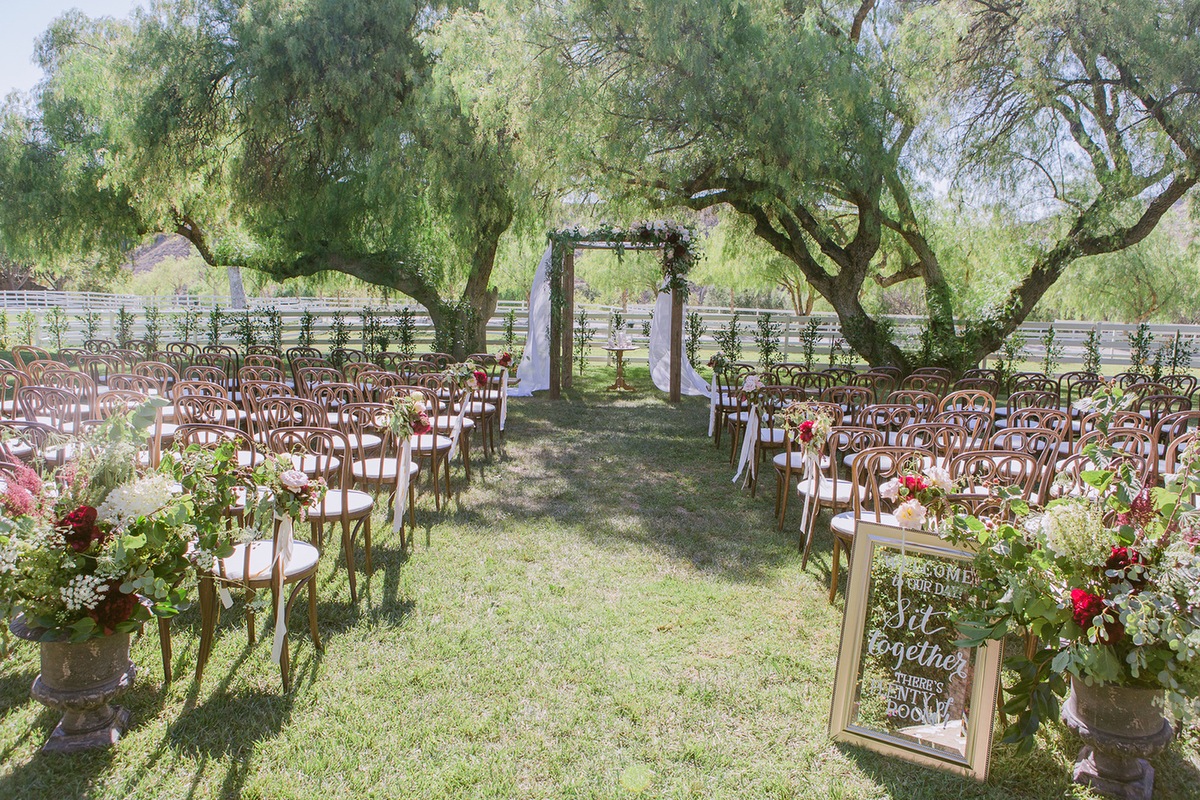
(690, 382)
(535, 360)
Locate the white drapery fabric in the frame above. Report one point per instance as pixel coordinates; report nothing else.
(400, 503)
(746, 461)
(690, 383)
(283, 554)
(535, 360)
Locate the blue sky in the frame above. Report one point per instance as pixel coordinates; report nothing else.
(25, 20)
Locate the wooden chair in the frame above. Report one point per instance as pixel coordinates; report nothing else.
(57, 408)
(791, 462)
(970, 400)
(832, 491)
(728, 402)
(977, 473)
(379, 469)
(320, 446)
(925, 382)
(23, 354)
(926, 403)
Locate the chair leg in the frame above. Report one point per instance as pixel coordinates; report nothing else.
(785, 491)
(208, 597)
(412, 513)
(833, 570)
(367, 541)
(465, 443)
(433, 474)
(348, 548)
(251, 634)
(312, 613)
(447, 468)
(164, 643)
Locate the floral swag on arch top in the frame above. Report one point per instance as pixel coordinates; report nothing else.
(677, 243)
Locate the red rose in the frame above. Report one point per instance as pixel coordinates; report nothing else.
(805, 431)
(1121, 559)
(115, 608)
(481, 379)
(1141, 511)
(1085, 607)
(421, 426)
(505, 360)
(914, 483)
(79, 528)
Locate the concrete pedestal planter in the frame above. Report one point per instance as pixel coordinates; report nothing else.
(1122, 727)
(81, 680)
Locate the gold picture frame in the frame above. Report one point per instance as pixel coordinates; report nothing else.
(901, 688)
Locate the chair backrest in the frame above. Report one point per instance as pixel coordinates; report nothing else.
(10, 380)
(273, 413)
(23, 354)
(926, 382)
(205, 409)
(319, 451)
(1157, 406)
(943, 439)
(78, 383)
(410, 370)
(978, 423)
(1179, 384)
(851, 398)
(926, 402)
(941, 372)
(1054, 418)
(970, 400)
(881, 384)
(887, 417)
(206, 372)
(875, 466)
(1136, 441)
(199, 387)
(161, 373)
(332, 396)
(1041, 443)
(983, 385)
(1033, 382)
(129, 358)
(1128, 379)
(99, 345)
(58, 408)
(985, 373)
(390, 360)
(1173, 455)
(308, 377)
(37, 368)
(352, 369)
(346, 355)
(439, 360)
(357, 421)
(183, 348)
(212, 435)
(839, 376)
(260, 372)
(977, 472)
(292, 353)
(1075, 386)
(1068, 475)
(253, 393)
(36, 437)
(117, 401)
(257, 358)
(133, 383)
(260, 350)
(1171, 426)
(729, 384)
(1032, 398)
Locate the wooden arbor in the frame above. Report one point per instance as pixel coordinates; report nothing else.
(678, 255)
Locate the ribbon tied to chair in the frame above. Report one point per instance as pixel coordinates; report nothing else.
(283, 554)
(712, 406)
(400, 504)
(457, 426)
(747, 462)
(503, 397)
(811, 472)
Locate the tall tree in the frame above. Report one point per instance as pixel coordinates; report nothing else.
(832, 125)
(289, 136)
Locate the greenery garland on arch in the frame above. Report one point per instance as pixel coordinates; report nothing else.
(677, 241)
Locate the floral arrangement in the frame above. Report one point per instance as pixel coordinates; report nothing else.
(808, 425)
(505, 359)
(719, 362)
(678, 242)
(466, 376)
(751, 389)
(407, 415)
(1107, 583)
(289, 492)
(85, 570)
(921, 494)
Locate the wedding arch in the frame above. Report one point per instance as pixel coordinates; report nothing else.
(552, 298)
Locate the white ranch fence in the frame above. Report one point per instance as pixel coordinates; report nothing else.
(1114, 337)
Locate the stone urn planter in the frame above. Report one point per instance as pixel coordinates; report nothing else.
(81, 680)
(1122, 727)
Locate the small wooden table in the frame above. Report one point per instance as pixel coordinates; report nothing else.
(620, 385)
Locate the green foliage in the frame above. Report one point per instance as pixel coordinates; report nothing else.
(216, 325)
(4, 343)
(339, 335)
(766, 337)
(729, 339)
(1011, 356)
(385, 328)
(1091, 352)
(1141, 340)
(308, 323)
(406, 333)
(1179, 359)
(1053, 351)
(369, 322)
(274, 327)
(125, 321)
(245, 329)
(646, 328)
(810, 335)
(186, 323)
(90, 321)
(510, 332)
(693, 331)
(584, 334)
(58, 324)
(616, 324)
(153, 332)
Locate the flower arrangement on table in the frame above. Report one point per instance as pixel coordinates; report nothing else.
(1107, 584)
(809, 426)
(921, 494)
(466, 376)
(407, 416)
(108, 551)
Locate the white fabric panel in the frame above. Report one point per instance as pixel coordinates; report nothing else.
(690, 383)
(535, 360)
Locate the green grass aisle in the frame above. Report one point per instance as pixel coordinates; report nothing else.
(601, 613)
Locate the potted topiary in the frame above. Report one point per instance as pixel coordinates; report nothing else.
(1104, 583)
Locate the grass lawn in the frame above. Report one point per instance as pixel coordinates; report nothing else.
(600, 613)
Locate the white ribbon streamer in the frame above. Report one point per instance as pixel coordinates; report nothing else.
(400, 504)
(503, 397)
(283, 554)
(456, 428)
(226, 598)
(712, 406)
(811, 472)
(748, 447)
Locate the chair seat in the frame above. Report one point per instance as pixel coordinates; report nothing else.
(427, 442)
(369, 441)
(739, 417)
(797, 459)
(825, 493)
(308, 463)
(845, 524)
(476, 408)
(383, 470)
(304, 559)
(447, 424)
(357, 503)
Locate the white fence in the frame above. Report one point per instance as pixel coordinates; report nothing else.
(1113, 337)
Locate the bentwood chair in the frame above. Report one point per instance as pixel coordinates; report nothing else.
(832, 491)
(320, 447)
(790, 462)
(379, 469)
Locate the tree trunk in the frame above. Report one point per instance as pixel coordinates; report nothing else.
(237, 292)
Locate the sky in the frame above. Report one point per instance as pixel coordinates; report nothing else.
(25, 20)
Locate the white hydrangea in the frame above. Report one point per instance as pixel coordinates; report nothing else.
(1076, 530)
(138, 499)
(8, 557)
(83, 592)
